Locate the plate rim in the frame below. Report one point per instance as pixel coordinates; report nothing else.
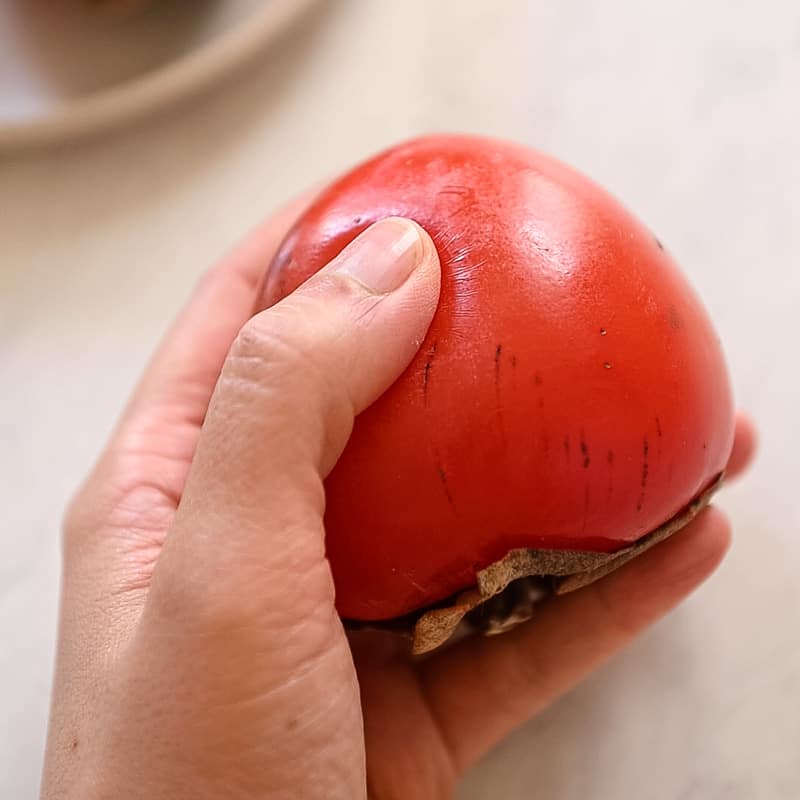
(160, 87)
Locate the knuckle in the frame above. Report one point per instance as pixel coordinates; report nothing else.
(254, 337)
(291, 347)
(86, 512)
(266, 344)
(79, 517)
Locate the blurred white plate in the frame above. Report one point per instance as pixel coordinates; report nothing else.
(65, 71)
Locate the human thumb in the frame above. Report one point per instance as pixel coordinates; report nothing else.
(294, 380)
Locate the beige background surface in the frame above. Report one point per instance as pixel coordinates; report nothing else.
(689, 111)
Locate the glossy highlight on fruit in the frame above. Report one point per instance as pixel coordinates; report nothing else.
(571, 392)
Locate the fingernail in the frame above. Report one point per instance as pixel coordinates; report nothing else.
(384, 256)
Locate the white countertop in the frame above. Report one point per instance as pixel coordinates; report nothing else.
(690, 112)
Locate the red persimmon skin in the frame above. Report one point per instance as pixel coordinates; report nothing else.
(571, 392)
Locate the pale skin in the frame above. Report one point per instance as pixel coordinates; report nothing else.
(200, 654)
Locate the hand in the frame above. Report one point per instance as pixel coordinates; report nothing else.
(200, 655)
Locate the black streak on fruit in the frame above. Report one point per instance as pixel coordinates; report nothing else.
(645, 473)
(498, 353)
(585, 452)
(660, 435)
(443, 479)
(427, 370)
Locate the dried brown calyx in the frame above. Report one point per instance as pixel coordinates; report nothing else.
(507, 591)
